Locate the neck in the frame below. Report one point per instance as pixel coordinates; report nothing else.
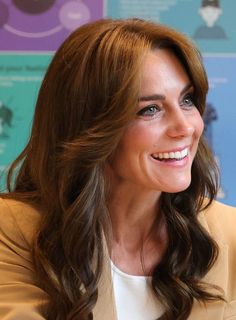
(137, 228)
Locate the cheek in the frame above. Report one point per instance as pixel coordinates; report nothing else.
(137, 137)
(200, 126)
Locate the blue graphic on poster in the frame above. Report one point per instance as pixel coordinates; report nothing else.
(209, 117)
(210, 22)
(221, 120)
(210, 12)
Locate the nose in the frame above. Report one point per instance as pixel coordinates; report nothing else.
(179, 125)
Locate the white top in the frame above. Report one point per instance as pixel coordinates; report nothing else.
(134, 297)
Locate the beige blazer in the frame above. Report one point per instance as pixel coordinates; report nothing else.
(21, 297)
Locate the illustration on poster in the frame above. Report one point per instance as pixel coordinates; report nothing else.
(211, 116)
(5, 119)
(210, 11)
(23, 18)
(34, 7)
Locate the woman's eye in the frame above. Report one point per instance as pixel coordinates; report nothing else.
(188, 101)
(149, 111)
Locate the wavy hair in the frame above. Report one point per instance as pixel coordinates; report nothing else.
(87, 98)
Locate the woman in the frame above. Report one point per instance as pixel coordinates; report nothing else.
(112, 214)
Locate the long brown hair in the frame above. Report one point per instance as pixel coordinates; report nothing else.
(87, 98)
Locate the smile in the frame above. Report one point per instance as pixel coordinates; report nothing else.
(178, 155)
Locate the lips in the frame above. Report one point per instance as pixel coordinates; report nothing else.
(177, 155)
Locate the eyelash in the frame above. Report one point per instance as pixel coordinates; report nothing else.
(190, 97)
(144, 112)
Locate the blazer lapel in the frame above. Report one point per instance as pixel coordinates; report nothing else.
(105, 308)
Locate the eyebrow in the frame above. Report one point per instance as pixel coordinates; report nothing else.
(153, 97)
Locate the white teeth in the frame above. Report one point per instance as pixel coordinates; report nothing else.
(178, 155)
(171, 155)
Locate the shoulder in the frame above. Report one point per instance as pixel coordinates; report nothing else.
(220, 220)
(18, 220)
(20, 293)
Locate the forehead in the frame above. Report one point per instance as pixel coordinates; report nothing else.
(161, 59)
(162, 67)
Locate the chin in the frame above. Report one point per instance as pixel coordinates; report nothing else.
(178, 187)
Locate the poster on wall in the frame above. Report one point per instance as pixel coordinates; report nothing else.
(20, 78)
(221, 119)
(30, 32)
(209, 22)
(27, 25)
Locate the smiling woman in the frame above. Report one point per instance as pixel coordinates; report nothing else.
(160, 143)
(112, 213)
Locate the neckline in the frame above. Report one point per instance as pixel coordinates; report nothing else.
(127, 275)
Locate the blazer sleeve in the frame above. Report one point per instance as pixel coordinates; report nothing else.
(221, 221)
(20, 296)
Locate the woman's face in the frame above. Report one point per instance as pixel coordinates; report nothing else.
(158, 147)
